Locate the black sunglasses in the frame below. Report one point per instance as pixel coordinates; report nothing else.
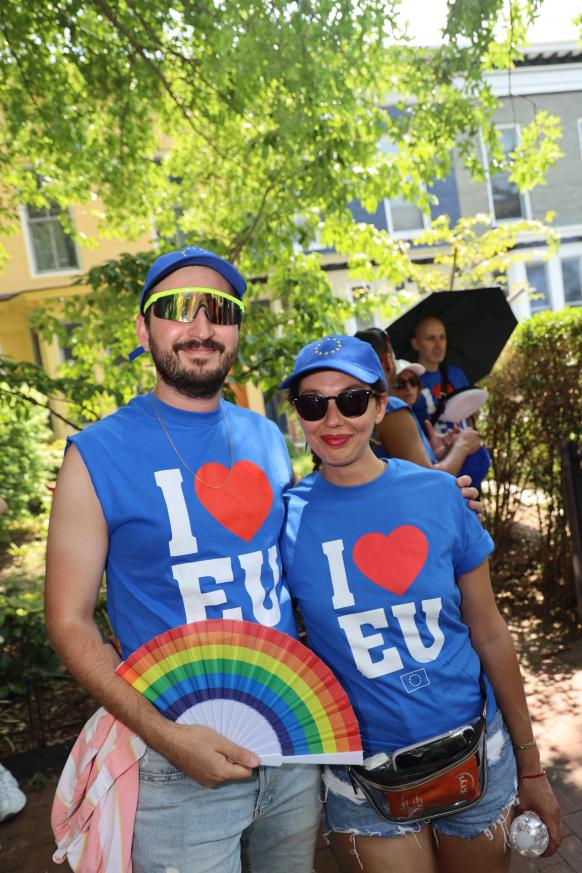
(350, 403)
(401, 384)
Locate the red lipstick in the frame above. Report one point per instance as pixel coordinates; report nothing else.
(339, 440)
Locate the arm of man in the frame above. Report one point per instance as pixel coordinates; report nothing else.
(76, 556)
(491, 639)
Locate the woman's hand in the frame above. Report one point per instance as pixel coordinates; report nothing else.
(536, 795)
(440, 443)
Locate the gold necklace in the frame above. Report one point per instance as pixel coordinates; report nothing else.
(179, 456)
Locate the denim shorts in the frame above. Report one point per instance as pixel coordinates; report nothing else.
(266, 823)
(348, 812)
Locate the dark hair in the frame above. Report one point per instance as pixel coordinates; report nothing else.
(148, 314)
(376, 337)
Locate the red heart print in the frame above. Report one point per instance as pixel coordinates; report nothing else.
(239, 498)
(392, 561)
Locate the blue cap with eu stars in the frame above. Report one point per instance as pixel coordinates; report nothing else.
(190, 256)
(336, 352)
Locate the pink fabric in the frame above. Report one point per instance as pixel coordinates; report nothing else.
(93, 812)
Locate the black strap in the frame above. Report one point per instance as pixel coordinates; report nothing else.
(442, 398)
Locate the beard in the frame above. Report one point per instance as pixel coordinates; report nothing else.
(195, 381)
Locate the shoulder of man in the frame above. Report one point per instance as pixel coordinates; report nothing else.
(457, 376)
(250, 417)
(118, 417)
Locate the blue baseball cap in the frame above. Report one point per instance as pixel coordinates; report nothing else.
(337, 352)
(190, 256)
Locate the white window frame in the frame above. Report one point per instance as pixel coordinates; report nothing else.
(351, 325)
(571, 256)
(524, 197)
(30, 252)
(550, 297)
(391, 148)
(579, 125)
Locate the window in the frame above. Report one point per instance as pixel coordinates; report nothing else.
(66, 347)
(572, 278)
(404, 217)
(537, 278)
(52, 248)
(507, 202)
(179, 239)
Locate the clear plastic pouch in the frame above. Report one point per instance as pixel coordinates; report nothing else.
(427, 781)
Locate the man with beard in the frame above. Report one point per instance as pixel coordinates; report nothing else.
(177, 497)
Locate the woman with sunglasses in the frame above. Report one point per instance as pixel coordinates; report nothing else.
(399, 433)
(389, 570)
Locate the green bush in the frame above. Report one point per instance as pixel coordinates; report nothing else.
(25, 654)
(28, 461)
(535, 403)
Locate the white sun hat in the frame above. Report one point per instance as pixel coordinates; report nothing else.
(402, 365)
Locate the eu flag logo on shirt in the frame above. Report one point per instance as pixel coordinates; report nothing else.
(415, 680)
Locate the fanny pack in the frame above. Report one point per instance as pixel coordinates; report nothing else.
(439, 776)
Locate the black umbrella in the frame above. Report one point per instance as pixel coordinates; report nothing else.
(478, 322)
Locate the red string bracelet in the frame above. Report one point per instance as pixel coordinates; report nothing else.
(532, 775)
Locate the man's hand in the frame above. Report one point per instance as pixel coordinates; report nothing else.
(206, 756)
(471, 494)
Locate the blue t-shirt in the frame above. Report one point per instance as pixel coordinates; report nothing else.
(374, 570)
(476, 466)
(431, 390)
(183, 549)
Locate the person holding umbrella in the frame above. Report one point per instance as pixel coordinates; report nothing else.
(477, 321)
(467, 329)
(429, 341)
(439, 382)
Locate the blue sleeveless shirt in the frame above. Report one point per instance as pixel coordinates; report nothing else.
(190, 537)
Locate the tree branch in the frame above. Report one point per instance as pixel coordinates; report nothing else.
(243, 239)
(44, 406)
(123, 31)
(173, 53)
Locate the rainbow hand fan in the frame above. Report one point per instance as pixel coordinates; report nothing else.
(256, 686)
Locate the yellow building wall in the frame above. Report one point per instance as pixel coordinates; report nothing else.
(21, 291)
